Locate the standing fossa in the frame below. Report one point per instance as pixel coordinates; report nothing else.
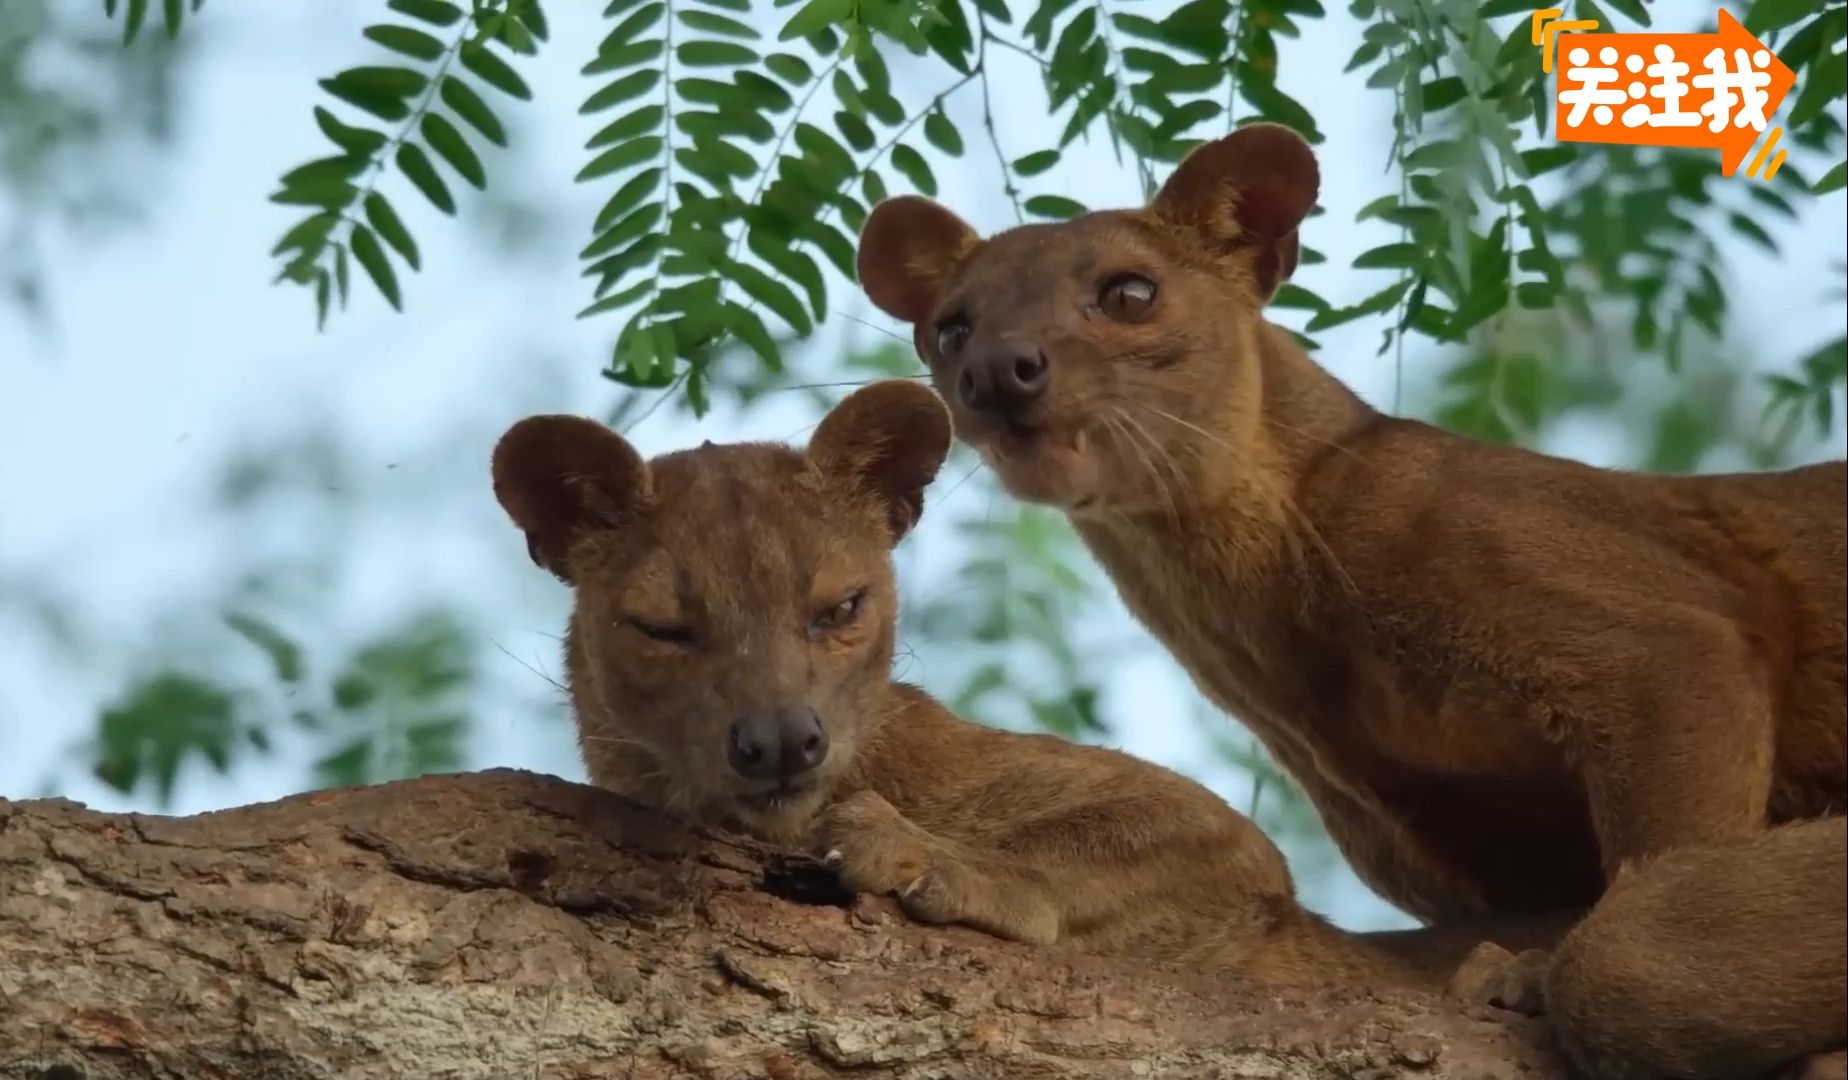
(728, 658)
(1508, 682)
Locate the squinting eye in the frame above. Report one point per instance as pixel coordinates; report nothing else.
(833, 618)
(1127, 297)
(950, 335)
(662, 632)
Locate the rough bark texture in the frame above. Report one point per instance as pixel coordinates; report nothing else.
(513, 926)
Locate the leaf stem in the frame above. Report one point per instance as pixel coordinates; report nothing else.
(988, 112)
(1119, 91)
(667, 159)
(776, 151)
(381, 158)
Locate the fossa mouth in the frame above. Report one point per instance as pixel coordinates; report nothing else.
(777, 798)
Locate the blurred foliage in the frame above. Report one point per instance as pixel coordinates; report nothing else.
(72, 107)
(392, 708)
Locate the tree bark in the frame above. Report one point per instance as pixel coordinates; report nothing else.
(510, 926)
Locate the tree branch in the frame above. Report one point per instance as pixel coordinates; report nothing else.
(508, 926)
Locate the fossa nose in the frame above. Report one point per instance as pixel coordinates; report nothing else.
(1006, 382)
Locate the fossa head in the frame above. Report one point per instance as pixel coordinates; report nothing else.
(1098, 362)
(734, 606)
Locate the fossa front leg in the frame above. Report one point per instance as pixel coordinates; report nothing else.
(876, 849)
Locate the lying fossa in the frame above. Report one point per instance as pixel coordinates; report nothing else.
(729, 656)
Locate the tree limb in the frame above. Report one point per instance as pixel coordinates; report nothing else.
(510, 926)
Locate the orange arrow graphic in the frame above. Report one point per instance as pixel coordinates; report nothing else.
(1716, 90)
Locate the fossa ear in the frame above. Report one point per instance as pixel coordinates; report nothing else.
(1248, 191)
(558, 476)
(889, 439)
(909, 249)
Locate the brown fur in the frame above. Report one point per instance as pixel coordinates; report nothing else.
(1500, 676)
(1027, 837)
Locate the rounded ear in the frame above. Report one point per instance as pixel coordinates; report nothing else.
(890, 438)
(908, 249)
(557, 476)
(1250, 190)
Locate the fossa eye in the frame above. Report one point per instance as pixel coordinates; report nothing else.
(839, 614)
(666, 633)
(1126, 297)
(951, 333)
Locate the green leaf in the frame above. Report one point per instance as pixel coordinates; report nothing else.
(1392, 256)
(873, 188)
(1546, 159)
(616, 301)
(158, 724)
(1633, 10)
(764, 94)
(324, 193)
(617, 158)
(1053, 206)
(362, 142)
(707, 22)
(453, 148)
(1833, 180)
(384, 221)
(625, 232)
(815, 16)
(833, 164)
(635, 122)
(1292, 296)
(467, 104)
(1534, 295)
(342, 273)
(628, 56)
(324, 172)
(1766, 15)
(1440, 94)
(533, 16)
(378, 90)
(915, 169)
(942, 134)
(791, 69)
(627, 88)
(611, 267)
(772, 294)
(349, 766)
(137, 14)
(1035, 163)
(623, 35)
(848, 94)
(377, 267)
(715, 54)
(405, 40)
(1752, 231)
(1827, 81)
(435, 12)
(418, 169)
(284, 654)
(793, 264)
(323, 294)
(854, 130)
(491, 69)
(627, 197)
(308, 234)
(744, 325)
